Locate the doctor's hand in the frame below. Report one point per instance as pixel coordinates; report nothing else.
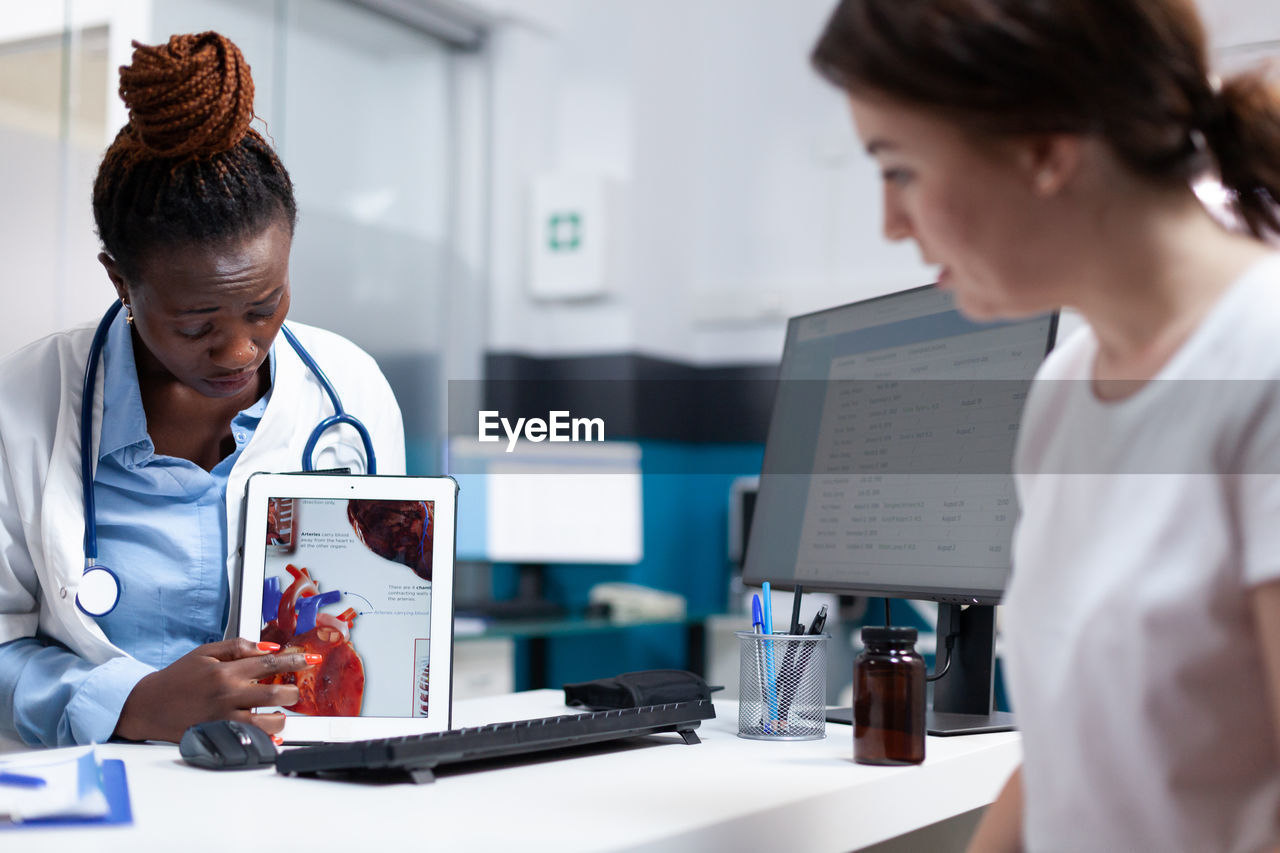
(216, 681)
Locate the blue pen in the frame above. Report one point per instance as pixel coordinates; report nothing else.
(18, 780)
(757, 625)
(767, 594)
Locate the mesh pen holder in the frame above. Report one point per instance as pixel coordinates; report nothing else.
(782, 686)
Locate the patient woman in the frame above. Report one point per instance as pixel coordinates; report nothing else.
(193, 394)
(1042, 154)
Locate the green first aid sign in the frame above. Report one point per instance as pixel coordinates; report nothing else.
(567, 258)
(564, 232)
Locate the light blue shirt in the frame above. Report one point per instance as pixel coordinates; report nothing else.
(162, 527)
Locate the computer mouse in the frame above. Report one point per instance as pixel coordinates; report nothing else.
(227, 745)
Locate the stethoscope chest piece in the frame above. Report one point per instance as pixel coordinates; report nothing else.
(99, 591)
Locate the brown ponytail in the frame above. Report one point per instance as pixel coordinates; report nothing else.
(1244, 136)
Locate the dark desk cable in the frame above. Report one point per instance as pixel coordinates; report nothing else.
(949, 641)
(946, 664)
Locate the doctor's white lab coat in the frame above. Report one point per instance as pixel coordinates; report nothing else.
(41, 505)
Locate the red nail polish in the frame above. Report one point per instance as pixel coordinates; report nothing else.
(313, 659)
(277, 740)
(268, 647)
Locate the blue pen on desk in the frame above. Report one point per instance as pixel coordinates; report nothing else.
(771, 675)
(19, 780)
(757, 625)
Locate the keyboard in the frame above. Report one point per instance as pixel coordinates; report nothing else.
(418, 756)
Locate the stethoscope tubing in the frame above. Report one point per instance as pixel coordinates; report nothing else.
(86, 433)
(340, 415)
(96, 347)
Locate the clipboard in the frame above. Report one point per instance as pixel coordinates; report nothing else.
(115, 786)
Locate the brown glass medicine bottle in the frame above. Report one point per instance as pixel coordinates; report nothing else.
(888, 698)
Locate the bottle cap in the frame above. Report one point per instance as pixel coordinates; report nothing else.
(894, 635)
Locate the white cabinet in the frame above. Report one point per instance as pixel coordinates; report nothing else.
(483, 667)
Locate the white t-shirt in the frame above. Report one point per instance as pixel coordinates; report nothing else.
(1134, 667)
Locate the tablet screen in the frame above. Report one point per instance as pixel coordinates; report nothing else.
(351, 580)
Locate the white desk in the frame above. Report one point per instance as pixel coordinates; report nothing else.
(726, 793)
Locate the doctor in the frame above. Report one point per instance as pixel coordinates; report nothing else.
(194, 392)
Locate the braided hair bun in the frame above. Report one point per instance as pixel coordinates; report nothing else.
(191, 97)
(187, 168)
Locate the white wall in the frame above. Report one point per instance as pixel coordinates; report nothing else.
(745, 198)
(1237, 23)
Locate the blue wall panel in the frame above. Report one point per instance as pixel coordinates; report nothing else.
(685, 551)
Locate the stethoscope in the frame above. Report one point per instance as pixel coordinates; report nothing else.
(99, 591)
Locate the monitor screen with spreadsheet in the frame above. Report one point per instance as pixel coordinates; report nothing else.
(888, 464)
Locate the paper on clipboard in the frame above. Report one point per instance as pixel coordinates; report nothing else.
(73, 787)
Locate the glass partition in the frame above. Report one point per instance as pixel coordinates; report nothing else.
(359, 107)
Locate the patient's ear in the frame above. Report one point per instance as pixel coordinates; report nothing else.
(1050, 161)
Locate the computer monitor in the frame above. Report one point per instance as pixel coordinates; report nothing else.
(888, 471)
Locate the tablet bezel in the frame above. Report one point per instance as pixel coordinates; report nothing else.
(300, 728)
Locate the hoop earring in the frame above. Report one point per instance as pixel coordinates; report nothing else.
(128, 308)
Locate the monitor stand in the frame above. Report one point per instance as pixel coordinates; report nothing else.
(944, 724)
(964, 698)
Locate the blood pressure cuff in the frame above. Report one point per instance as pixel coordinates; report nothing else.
(633, 689)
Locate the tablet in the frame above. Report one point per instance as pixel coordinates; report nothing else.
(359, 570)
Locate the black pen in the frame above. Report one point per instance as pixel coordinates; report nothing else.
(819, 621)
(815, 627)
(796, 627)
